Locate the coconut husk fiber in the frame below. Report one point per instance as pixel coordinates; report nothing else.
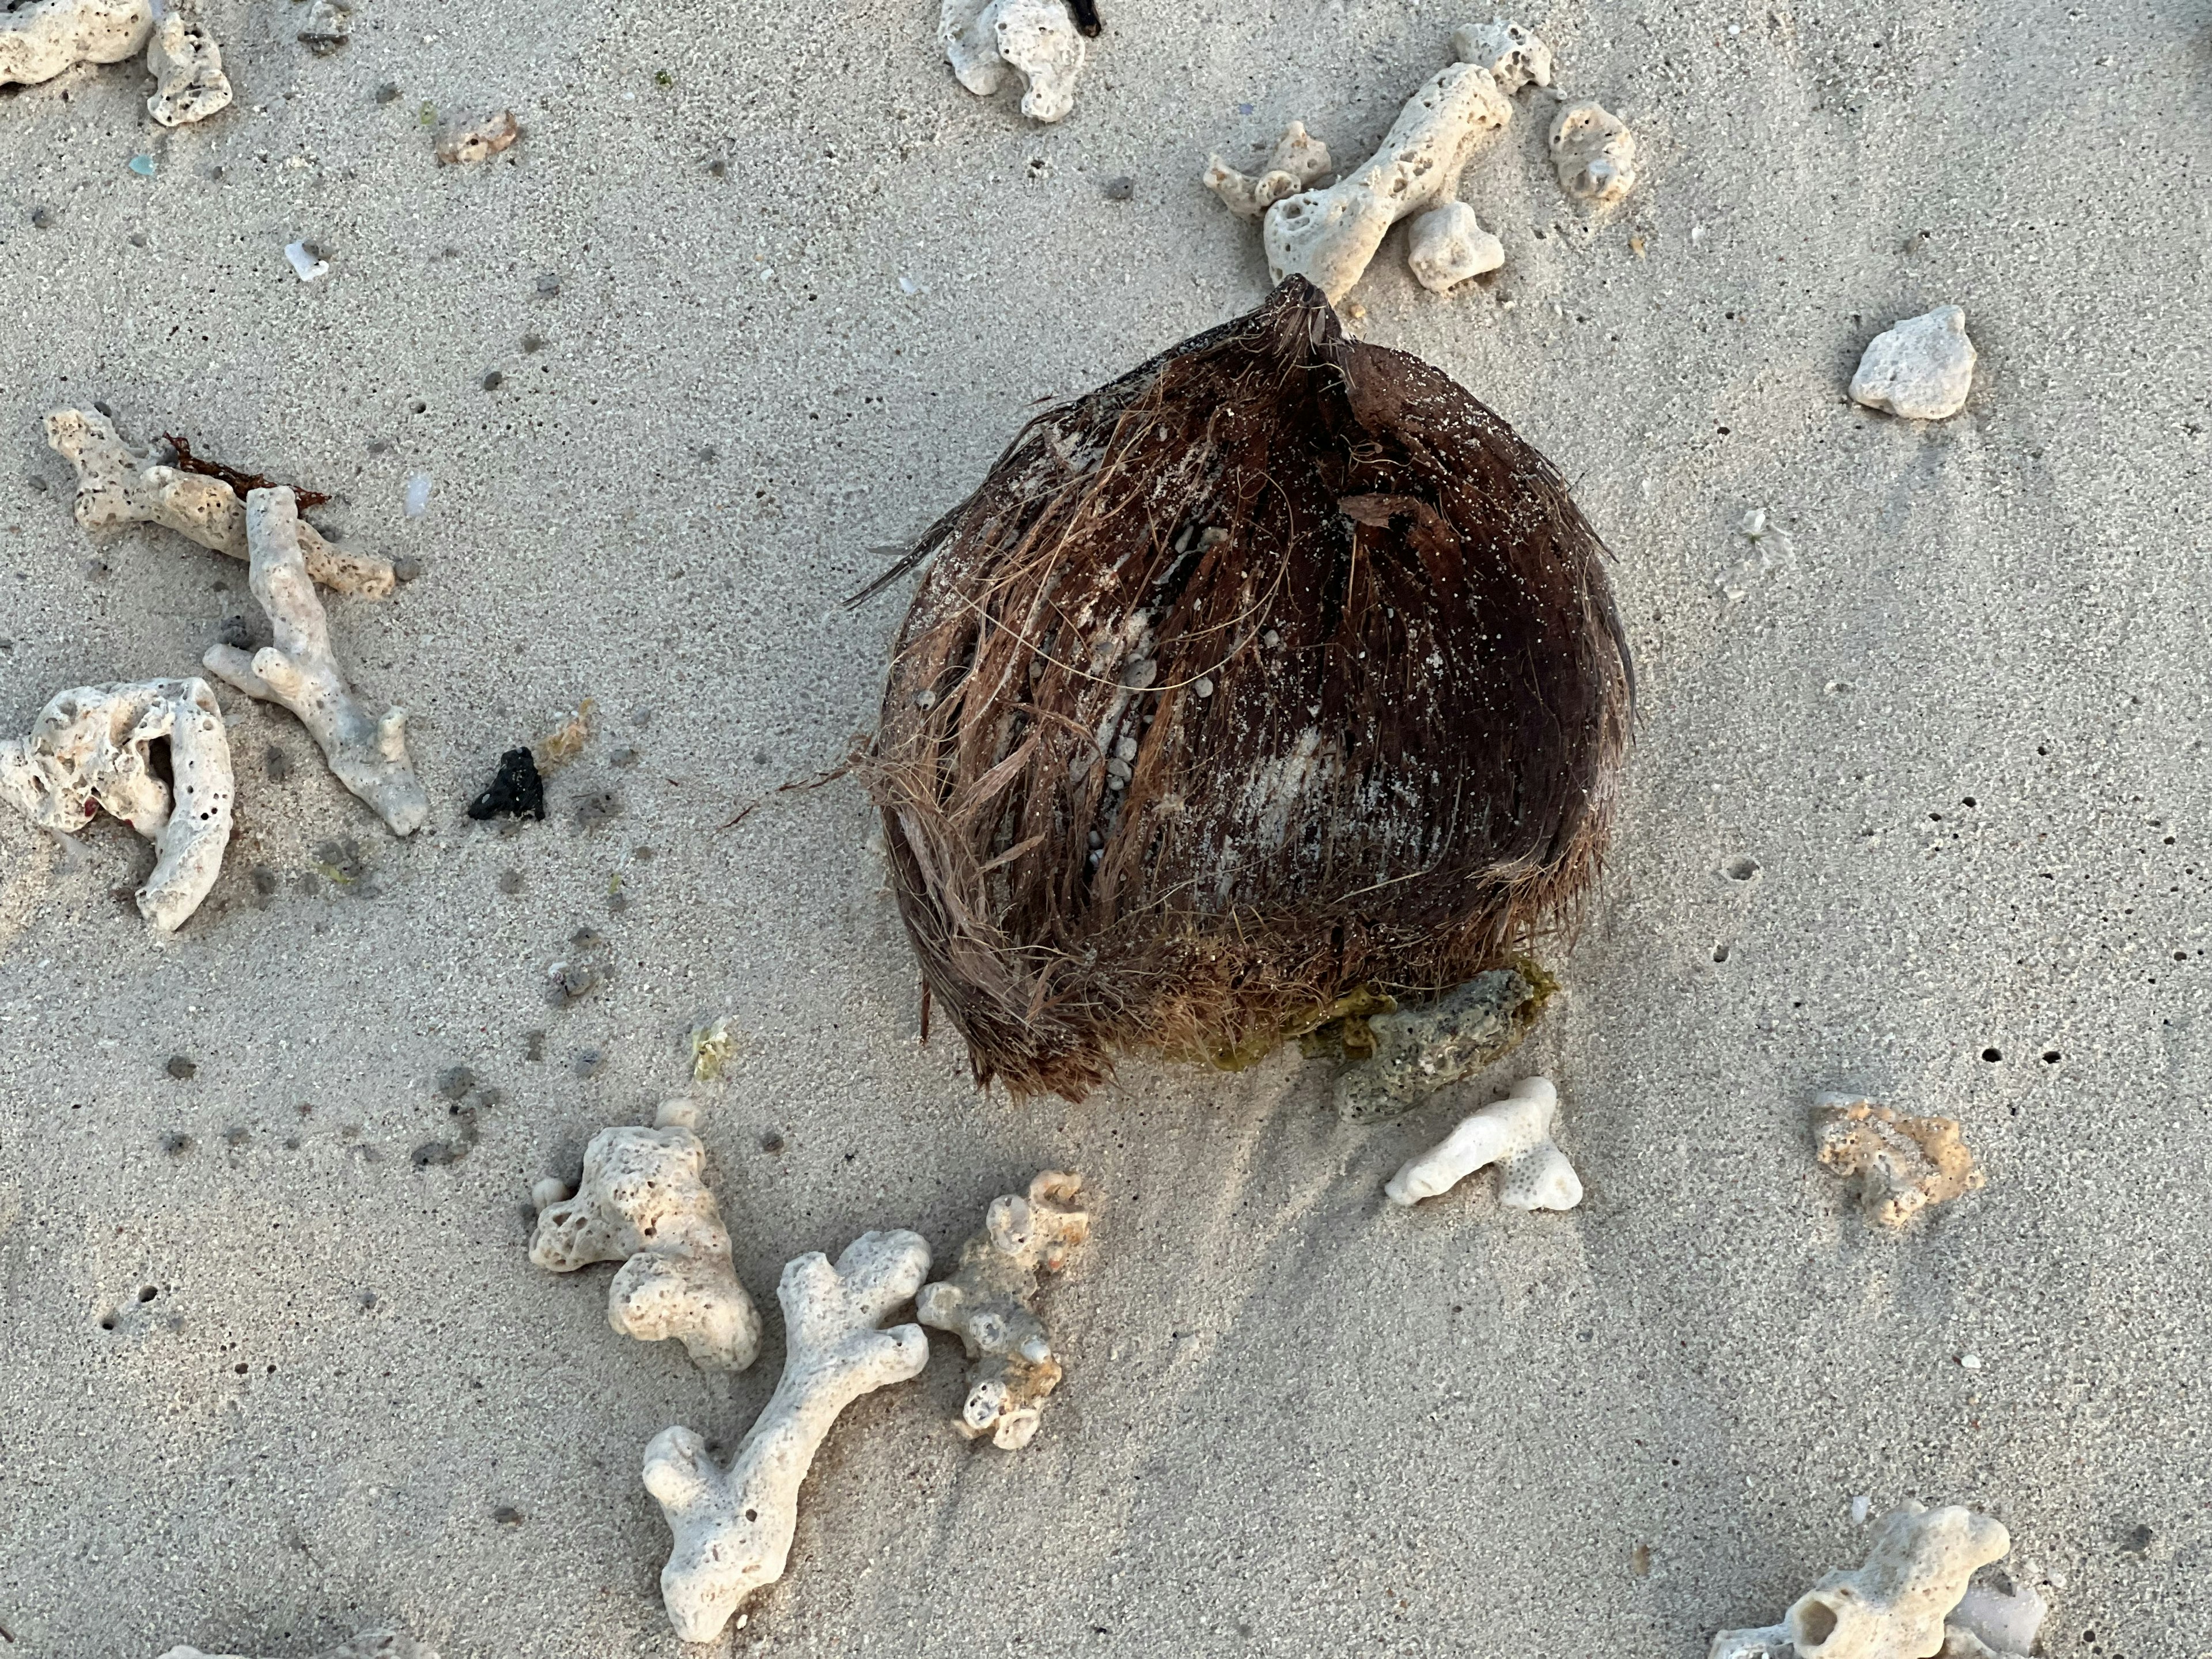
(1275, 675)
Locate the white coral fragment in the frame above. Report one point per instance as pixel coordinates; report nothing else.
(1037, 38)
(116, 485)
(989, 1303)
(643, 1201)
(187, 67)
(1328, 236)
(369, 1644)
(1921, 368)
(89, 749)
(1517, 57)
(1595, 153)
(40, 39)
(1447, 246)
(734, 1528)
(1892, 1607)
(1515, 1134)
(1298, 160)
(367, 750)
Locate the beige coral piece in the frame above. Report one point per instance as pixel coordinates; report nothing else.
(989, 1303)
(40, 39)
(1892, 1607)
(1902, 1165)
(1595, 153)
(91, 749)
(367, 750)
(187, 68)
(461, 142)
(644, 1203)
(116, 486)
(733, 1528)
(1297, 161)
(1330, 236)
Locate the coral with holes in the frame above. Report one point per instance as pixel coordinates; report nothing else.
(463, 141)
(1901, 1165)
(187, 68)
(1594, 153)
(1038, 40)
(643, 1201)
(117, 486)
(1515, 1134)
(733, 1527)
(367, 750)
(40, 39)
(990, 1303)
(1895, 1606)
(1420, 1048)
(1298, 160)
(1516, 57)
(92, 748)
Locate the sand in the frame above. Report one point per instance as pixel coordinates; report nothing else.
(280, 1382)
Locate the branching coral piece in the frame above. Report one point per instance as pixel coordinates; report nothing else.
(644, 1203)
(1298, 159)
(40, 39)
(1902, 1165)
(117, 485)
(187, 66)
(1418, 1050)
(1595, 153)
(1038, 39)
(89, 749)
(367, 750)
(734, 1528)
(1515, 1134)
(1328, 236)
(990, 1303)
(1515, 56)
(1893, 1606)
(369, 1644)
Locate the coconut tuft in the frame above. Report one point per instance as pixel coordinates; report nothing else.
(1277, 672)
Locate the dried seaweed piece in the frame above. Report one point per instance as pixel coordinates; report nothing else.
(241, 483)
(1278, 668)
(516, 792)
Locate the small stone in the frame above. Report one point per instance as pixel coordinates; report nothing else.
(176, 1143)
(42, 218)
(493, 381)
(1921, 368)
(406, 567)
(590, 1062)
(549, 285)
(1204, 687)
(1447, 244)
(180, 1068)
(508, 1516)
(329, 25)
(455, 1081)
(533, 342)
(464, 143)
(1122, 188)
(771, 1141)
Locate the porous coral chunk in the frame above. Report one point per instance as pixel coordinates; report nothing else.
(1421, 1048)
(1297, 161)
(1901, 1165)
(643, 1201)
(40, 39)
(1595, 153)
(187, 67)
(989, 1303)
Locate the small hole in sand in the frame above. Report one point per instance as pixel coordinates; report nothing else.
(1741, 869)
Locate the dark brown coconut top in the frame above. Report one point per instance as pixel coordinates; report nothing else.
(1277, 668)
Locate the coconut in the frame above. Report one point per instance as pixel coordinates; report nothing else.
(1275, 679)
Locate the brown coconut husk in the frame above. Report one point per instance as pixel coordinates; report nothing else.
(1404, 772)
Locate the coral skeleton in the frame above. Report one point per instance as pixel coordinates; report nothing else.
(1920, 369)
(989, 1303)
(1328, 236)
(1515, 1134)
(1037, 38)
(1298, 160)
(643, 1201)
(1514, 56)
(91, 748)
(1446, 246)
(187, 67)
(1420, 1050)
(460, 143)
(117, 486)
(40, 39)
(369, 1644)
(733, 1528)
(365, 750)
(1892, 1607)
(1902, 1165)
(1595, 153)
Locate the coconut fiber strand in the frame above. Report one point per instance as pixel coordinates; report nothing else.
(1277, 670)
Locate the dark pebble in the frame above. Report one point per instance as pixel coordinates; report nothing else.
(515, 792)
(493, 381)
(388, 93)
(406, 567)
(180, 1068)
(176, 1143)
(590, 1062)
(1121, 190)
(772, 1141)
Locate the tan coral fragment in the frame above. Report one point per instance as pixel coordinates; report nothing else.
(116, 485)
(187, 65)
(644, 1203)
(990, 1303)
(1298, 160)
(461, 142)
(1902, 1165)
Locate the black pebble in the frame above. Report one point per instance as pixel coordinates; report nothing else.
(493, 381)
(772, 1142)
(517, 793)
